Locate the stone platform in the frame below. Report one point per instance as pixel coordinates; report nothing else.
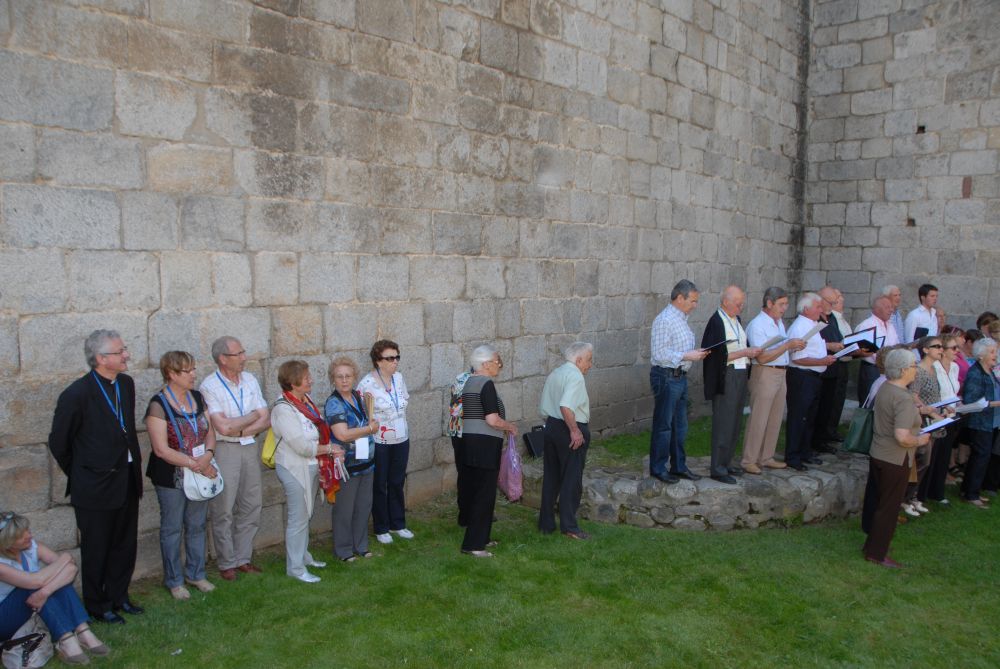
(782, 497)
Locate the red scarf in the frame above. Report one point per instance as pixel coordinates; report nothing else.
(327, 471)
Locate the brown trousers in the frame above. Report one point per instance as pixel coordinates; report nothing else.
(767, 406)
(889, 486)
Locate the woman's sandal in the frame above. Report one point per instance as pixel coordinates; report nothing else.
(367, 554)
(100, 650)
(352, 558)
(78, 658)
(479, 554)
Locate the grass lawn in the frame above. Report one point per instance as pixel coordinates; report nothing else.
(798, 597)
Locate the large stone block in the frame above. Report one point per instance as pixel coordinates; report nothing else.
(232, 280)
(24, 478)
(9, 362)
(457, 234)
(340, 13)
(224, 19)
(212, 224)
(250, 119)
(277, 275)
(369, 91)
(44, 216)
(541, 317)
(153, 106)
(251, 326)
(498, 47)
(34, 281)
(17, 146)
(280, 175)
(53, 344)
(299, 38)
(296, 331)
(153, 48)
(484, 278)
(101, 280)
(326, 277)
(189, 169)
(350, 327)
(186, 278)
(474, 321)
(402, 323)
(54, 93)
(405, 231)
(383, 278)
(393, 19)
(437, 278)
(149, 221)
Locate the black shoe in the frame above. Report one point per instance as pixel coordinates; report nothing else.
(689, 475)
(130, 608)
(814, 461)
(837, 438)
(725, 479)
(736, 471)
(797, 466)
(109, 617)
(666, 478)
(825, 448)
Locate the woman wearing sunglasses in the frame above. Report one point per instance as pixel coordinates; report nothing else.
(392, 440)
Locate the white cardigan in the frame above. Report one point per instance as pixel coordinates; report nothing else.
(297, 450)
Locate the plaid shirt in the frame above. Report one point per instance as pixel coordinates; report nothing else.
(670, 339)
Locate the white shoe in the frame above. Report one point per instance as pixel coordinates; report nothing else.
(316, 563)
(306, 577)
(919, 506)
(910, 511)
(404, 533)
(385, 538)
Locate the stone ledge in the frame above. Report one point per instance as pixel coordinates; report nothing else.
(775, 498)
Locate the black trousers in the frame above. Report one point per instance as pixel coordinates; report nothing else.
(563, 476)
(888, 482)
(932, 484)
(461, 485)
(802, 401)
(832, 395)
(866, 377)
(108, 552)
(480, 502)
(980, 452)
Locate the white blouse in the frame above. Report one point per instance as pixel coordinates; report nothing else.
(390, 407)
(947, 381)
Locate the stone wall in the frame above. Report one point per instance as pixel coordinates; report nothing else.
(312, 175)
(904, 128)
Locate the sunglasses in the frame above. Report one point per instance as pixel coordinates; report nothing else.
(391, 358)
(934, 346)
(6, 518)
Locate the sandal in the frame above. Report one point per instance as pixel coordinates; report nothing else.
(180, 593)
(367, 554)
(479, 554)
(99, 649)
(76, 658)
(352, 558)
(202, 584)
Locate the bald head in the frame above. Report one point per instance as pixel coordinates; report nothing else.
(733, 299)
(829, 295)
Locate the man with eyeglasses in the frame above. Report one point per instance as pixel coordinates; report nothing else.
(94, 442)
(825, 430)
(238, 412)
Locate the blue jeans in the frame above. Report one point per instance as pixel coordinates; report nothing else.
(388, 504)
(670, 422)
(180, 516)
(63, 612)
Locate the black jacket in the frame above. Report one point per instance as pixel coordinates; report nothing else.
(717, 359)
(90, 446)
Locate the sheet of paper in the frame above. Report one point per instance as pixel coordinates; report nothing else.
(972, 407)
(938, 425)
(944, 403)
(726, 341)
(246, 441)
(198, 451)
(774, 341)
(361, 448)
(847, 350)
(864, 335)
(814, 331)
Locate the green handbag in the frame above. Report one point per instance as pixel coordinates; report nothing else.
(859, 436)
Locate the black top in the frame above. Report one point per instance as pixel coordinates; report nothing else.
(831, 333)
(90, 446)
(714, 369)
(480, 450)
(159, 471)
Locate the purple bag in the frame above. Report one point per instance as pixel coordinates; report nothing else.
(510, 481)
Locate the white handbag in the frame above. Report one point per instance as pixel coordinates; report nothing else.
(30, 646)
(199, 488)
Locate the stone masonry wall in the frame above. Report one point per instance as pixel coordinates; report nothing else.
(311, 175)
(903, 134)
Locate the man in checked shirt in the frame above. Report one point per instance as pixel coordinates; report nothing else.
(672, 351)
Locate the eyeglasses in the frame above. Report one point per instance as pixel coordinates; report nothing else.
(6, 518)
(122, 351)
(391, 358)
(234, 355)
(934, 346)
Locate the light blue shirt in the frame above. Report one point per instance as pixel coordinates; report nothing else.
(565, 387)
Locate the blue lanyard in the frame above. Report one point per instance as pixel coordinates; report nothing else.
(356, 408)
(117, 407)
(390, 391)
(181, 441)
(734, 325)
(238, 403)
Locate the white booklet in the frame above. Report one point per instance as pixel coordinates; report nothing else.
(847, 350)
(867, 335)
(937, 425)
(972, 407)
(774, 341)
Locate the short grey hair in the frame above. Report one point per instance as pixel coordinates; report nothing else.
(897, 361)
(576, 349)
(683, 289)
(982, 347)
(887, 291)
(807, 301)
(95, 342)
(221, 345)
(773, 294)
(481, 355)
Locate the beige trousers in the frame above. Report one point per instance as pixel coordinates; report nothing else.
(767, 406)
(235, 512)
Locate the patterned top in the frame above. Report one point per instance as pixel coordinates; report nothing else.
(390, 406)
(670, 338)
(339, 410)
(161, 473)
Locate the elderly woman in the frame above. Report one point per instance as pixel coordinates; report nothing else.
(345, 414)
(896, 432)
(302, 434)
(35, 578)
(392, 441)
(947, 371)
(181, 437)
(925, 386)
(983, 426)
(484, 423)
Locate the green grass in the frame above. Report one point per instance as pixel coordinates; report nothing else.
(627, 598)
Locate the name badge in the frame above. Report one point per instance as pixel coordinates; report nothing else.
(361, 448)
(198, 451)
(740, 364)
(246, 441)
